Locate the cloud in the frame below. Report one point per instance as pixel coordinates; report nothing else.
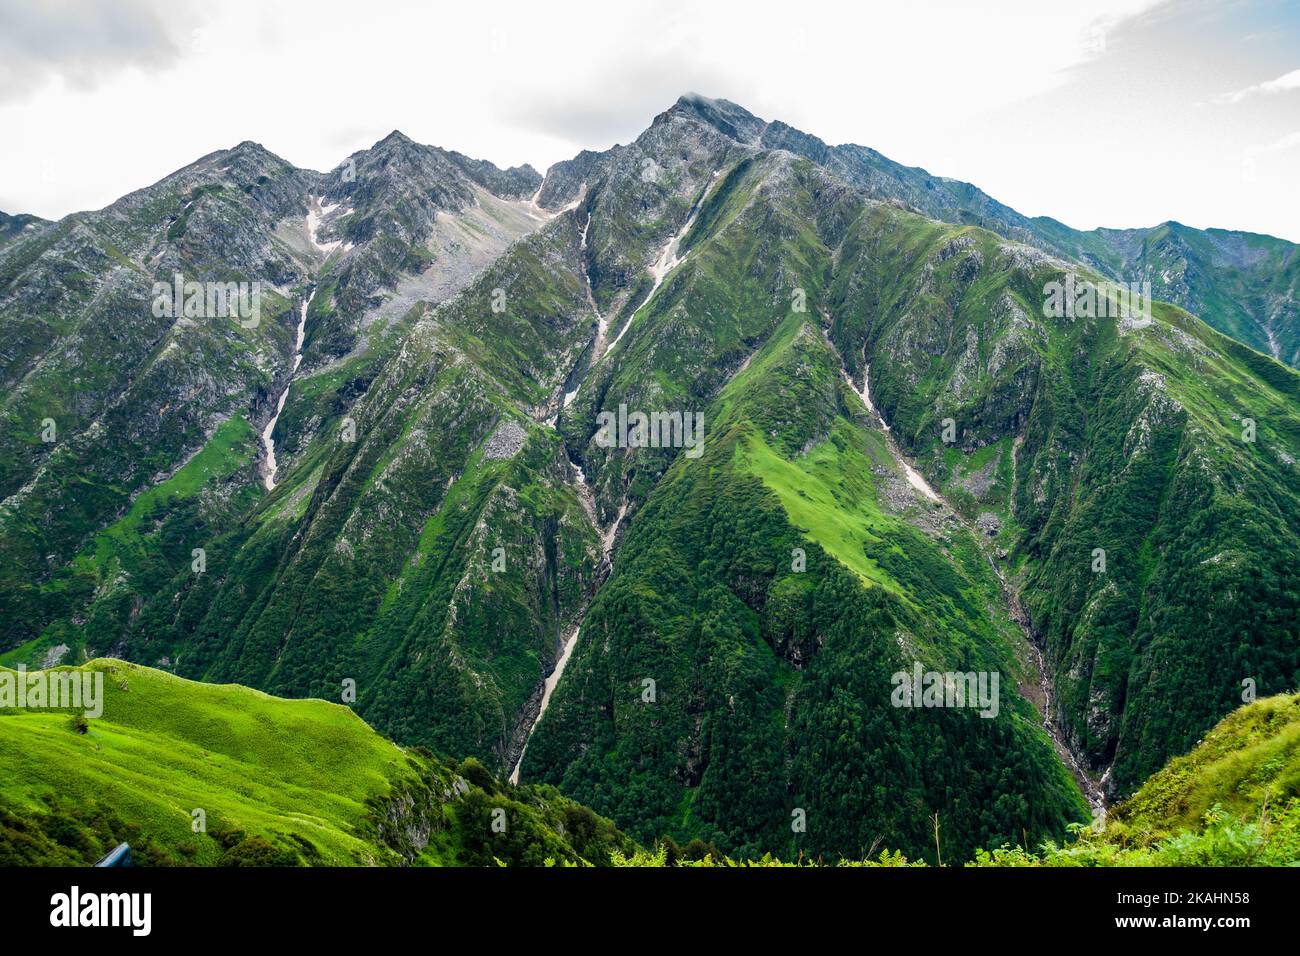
(599, 107)
(977, 92)
(1285, 83)
(83, 41)
(614, 80)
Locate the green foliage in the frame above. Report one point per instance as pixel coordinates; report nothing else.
(372, 559)
(279, 782)
(1233, 801)
(1120, 437)
(772, 686)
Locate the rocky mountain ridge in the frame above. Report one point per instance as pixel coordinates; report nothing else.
(881, 392)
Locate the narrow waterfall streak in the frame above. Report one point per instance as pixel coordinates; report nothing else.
(666, 263)
(548, 687)
(602, 323)
(268, 443)
(914, 477)
(1092, 792)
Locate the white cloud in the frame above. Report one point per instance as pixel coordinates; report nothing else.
(1282, 84)
(81, 42)
(1003, 94)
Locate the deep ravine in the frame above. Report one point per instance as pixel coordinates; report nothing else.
(1093, 792)
(268, 442)
(607, 537)
(667, 261)
(548, 687)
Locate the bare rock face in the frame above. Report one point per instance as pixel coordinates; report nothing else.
(12, 227)
(989, 524)
(54, 656)
(505, 442)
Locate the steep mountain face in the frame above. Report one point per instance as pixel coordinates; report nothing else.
(1142, 474)
(395, 229)
(1099, 432)
(107, 396)
(1243, 284)
(445, 537)
(867, 449)
(106, 393)
(719, 689)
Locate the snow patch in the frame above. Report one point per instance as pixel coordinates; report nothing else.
(316, 213)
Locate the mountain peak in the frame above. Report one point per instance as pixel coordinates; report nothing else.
(395, 138)
(723, 115)
(250, 148)
(247, 159)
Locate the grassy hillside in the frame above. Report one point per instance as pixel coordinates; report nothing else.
(306, 782)
(1233, 801)
(280, 782)
(1248, 764)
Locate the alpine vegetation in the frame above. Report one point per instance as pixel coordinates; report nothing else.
(444, 489)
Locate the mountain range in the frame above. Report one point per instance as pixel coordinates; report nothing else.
(395, 479)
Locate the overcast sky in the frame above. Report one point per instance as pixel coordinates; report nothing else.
(1098, 112)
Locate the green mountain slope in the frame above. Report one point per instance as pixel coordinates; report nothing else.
(1243, 284)
(102, 398)
(1119, 435)
(1128, 437)
(1234, 800)
(446, 518)
(772, 684)
(1247, 763)
(279, 782)
(103, 395)
(448, 535)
